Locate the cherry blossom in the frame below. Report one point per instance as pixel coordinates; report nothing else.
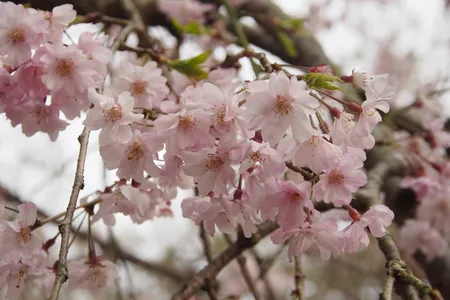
(133, 158)
(20, 32)
(340, 180)
(184, 11)
(94, 274)
(58, 20)
(17, 242)
(279, 104)
(210, 169)
(271, 162)
(145, 84)
(16, 275)
(323, 233)
(290, 199)
(419, 235)
(112, 116)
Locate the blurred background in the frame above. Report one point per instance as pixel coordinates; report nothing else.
(408, 39)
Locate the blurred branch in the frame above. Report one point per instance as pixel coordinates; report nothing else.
(244, 271)
(212, 269)
(299, 278)
(109, 249)
(66, 224)
(211, 284)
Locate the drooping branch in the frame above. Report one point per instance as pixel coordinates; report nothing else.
(66, 224)
(107, 248)
(212, 269)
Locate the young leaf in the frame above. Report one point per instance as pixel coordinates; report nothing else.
(288, 44)
(191, 67)
(322, 81)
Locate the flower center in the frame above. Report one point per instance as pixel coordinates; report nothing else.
(138, 88)
(24, 235)
(186, 123)
(38, 114)
(114, 113)
(283, 105)
(48, 16)
(96, 274)
(22, 275)
(347, 122)
(336, 177)
(65, 67)
(16, 35)
(256, 156)
(135, 151)
(295, 196)
(213, 163)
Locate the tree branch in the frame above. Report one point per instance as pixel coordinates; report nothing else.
(212, 269)
(66, 224)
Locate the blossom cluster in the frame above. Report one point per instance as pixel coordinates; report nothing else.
(232, 141)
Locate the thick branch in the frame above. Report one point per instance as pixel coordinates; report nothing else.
(66, 224)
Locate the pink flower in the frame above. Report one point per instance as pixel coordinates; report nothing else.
(244, 213)
(98, 55)
(271, 162)
(20, 30)
(377, 219)
(210, 169)
(44, 278)
(345, 131)
(185, 11)
(17, 242)
(133, 158)
(67, 69)
(35, 116)
(130, 201)
(436, 210)
(58, 20)
(340, 180)
(370, 116)
(290, 199)
(316, 153)
(94, 274)
(375, 86)
(112, 115)
(323, 233)
(185, 130)
(16, 275)
(146, 84)
(280, 104)
(419, 235)
(210, 211)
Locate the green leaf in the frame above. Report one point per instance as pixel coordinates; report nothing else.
(288, 44)
(27, 5)
(191, 67)
(292, 25)
(322, 81)
(192, 28)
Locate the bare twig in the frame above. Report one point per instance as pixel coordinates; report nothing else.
(129, 28)
(245, 273)
(386, 294)
(65, 226)
(211, 284)
(299, 278)
(212, 269)
(135, 15)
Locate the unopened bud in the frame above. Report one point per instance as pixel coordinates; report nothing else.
(354, 214)
(355, 107)
(324, 69)
(335, 112)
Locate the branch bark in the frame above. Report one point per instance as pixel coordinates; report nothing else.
(66, 224)
(212, 269)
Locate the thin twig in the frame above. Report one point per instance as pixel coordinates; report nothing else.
(218, 263)
(299, 278)
(65, 226)
(211, 284)
(122, 37)
(135, 15)
(245, 273)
